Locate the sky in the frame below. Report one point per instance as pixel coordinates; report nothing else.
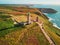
(51, 2)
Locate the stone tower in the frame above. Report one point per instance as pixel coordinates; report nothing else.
(37, 19)
(28, 18)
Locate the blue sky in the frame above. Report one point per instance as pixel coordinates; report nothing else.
(54, 2)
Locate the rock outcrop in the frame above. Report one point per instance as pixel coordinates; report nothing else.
(47, 10)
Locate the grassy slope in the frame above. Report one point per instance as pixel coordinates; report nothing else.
(14, 36)
(35, 31)
(5, 22)
(19, 37)
(50, 30)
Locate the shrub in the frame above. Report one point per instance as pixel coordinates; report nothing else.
(7, 23)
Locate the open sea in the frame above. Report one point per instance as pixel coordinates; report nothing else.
(54, 18)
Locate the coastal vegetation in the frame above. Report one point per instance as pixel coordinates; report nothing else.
(20, 35)
(5, 22)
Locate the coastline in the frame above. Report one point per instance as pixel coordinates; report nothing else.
(50, 19)
(54, 24)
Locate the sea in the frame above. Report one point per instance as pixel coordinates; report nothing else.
(53, 18)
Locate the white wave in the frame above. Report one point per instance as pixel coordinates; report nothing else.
(45, 13)
(55, 25)
(50, 18)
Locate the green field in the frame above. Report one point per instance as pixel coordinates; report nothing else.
(20, 35)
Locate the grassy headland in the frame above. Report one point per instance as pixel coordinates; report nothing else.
(20, 35)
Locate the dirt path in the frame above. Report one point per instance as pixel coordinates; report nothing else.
(45, 34)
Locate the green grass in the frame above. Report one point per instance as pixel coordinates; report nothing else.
(7, 28)
(3, 16)
(11, 35)
(35, 31)
(6, 31)
(6, 23)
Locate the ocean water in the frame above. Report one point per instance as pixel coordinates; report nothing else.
(54, 18)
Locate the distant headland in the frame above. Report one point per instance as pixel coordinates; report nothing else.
(47, 10)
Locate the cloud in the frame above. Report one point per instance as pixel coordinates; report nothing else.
(55, 2)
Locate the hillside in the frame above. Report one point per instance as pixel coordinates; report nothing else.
(28, 34)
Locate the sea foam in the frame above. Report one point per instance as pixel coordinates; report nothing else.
(50, 19)
(55, 25)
